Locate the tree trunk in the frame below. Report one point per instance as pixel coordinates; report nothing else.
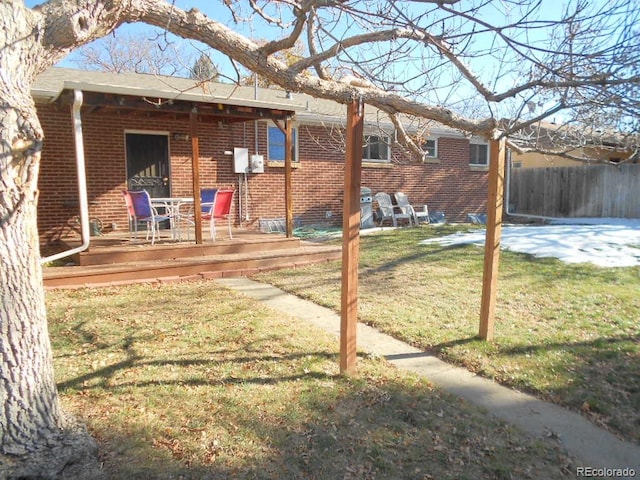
(28, 391)
(30, 408)
(33, 430)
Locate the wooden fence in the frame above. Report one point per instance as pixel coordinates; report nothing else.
(586, 191)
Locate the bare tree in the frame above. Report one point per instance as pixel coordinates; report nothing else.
(486, 68)
(204, 70)
(150, 51)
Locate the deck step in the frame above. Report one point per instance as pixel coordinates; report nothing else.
(205, 266)
(143, 252)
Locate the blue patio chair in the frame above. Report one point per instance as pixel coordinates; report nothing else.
(140, 209)
(207, 200)
(207, 204)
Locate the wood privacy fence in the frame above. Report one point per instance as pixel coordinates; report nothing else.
(586, 191)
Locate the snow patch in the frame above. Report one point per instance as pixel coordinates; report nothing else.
(604, 242)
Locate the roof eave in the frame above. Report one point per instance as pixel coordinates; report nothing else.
(168, 95)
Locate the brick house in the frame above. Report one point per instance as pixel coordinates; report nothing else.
(133, 123)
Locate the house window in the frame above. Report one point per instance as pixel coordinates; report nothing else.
(479, 154)
(276, 144)
(376, 149)
(430, 148)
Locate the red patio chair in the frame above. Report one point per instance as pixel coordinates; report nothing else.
(132, 214)
(221, 210)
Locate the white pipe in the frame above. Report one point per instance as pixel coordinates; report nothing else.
(256, 148)
(240, 198)
(82, 183)
(246, 198)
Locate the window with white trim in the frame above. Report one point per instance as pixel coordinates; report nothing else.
(376, 149)
(479, 154)
(430, 148)
(276, 144)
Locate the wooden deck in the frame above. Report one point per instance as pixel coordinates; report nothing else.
(114, 259)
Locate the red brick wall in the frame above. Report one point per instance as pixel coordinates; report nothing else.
(449, 186)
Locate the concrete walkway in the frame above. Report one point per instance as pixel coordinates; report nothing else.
(590, 445)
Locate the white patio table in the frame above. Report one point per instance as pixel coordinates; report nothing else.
(172, 208)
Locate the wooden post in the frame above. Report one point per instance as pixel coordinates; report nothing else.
(288, 183)
(351, 237)
(195, 165)
(495, 204)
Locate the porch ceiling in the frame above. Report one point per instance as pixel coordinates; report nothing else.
(150, 106)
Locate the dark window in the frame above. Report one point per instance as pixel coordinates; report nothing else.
(479, 154)
(375, 148)
(430, 148)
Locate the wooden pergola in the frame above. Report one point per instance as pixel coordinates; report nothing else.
(351, 238)
(197, 111)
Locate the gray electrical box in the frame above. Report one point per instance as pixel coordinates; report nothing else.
(240, 160)
(257, 164)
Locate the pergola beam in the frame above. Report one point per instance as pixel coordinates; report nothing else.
(195, 166)
(287, 130)
(288, 175)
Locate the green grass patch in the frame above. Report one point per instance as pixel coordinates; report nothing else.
(192, 381)
(569, 333)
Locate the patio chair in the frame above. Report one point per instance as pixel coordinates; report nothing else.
(388, 211)
(207, 202)
(215, 205)
(418, 215)
(219, 209)
(140, 209)
(131, 213)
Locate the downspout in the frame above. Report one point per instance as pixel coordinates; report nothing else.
(82, 183)
(507, 188)
(255, 147)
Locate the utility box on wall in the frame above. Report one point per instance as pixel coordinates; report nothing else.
(240, 160)
(257, 164)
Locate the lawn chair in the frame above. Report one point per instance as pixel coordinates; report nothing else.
(418, 215)
(140, 209)
(387, 211)
(220, 210)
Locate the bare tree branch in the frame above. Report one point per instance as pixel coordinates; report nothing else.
(460, 64)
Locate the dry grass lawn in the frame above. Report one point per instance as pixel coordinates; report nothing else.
(191, 381)
(566, 333)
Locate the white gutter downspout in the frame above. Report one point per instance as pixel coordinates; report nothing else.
(507, 189)
(82, 183)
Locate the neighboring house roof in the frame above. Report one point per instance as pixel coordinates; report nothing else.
(549, 135)
(309, 110)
